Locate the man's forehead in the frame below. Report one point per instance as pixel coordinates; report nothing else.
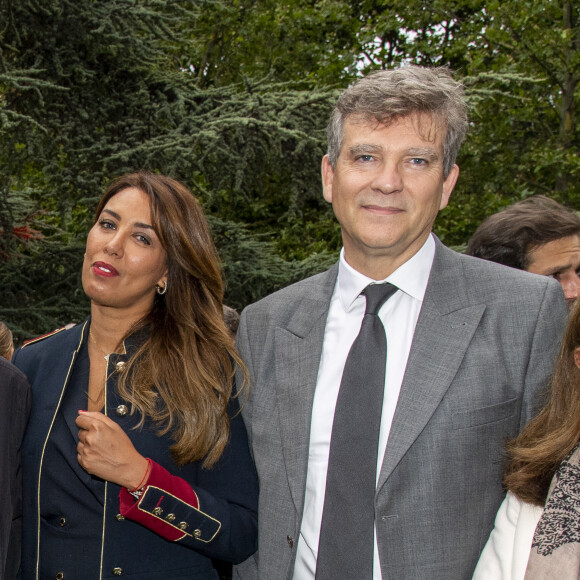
(430, 128)
(566, 249)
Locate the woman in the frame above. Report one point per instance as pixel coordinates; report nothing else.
(537, 528)
(135, 436)
(6, 342)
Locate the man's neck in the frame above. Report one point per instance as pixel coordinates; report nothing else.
(379, 265)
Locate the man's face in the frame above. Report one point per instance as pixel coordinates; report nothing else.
(386, 190)
(559, 259)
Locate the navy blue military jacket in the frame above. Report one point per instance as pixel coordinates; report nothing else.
(224, 526)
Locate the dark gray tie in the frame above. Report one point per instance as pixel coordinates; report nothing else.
(345, 549)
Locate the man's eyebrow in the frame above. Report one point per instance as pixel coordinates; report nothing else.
(558, 269)
(426, 152)
(364, 149)
(118, 217)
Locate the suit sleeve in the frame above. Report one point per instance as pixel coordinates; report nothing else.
(550, 324)
(247, 570)
(217, 516)
(15, 398)
(244, 348)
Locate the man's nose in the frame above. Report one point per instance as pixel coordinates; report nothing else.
(388, 178)
(571, 286)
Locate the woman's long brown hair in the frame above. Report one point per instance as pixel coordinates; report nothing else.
(182, 376)
(534, 456)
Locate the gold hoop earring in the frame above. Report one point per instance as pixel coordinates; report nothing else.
(159, 290)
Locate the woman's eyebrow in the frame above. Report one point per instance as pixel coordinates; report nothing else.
(118, 217)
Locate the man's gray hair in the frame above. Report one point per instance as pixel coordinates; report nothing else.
(389, 95)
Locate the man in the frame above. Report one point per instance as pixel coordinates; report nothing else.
(536, 234)
(15, 402)
(465, 358)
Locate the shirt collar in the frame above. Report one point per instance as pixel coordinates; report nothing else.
(411, 277)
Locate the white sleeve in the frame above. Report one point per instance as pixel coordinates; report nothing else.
(506, 553)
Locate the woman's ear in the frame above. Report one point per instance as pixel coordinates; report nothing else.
(577, 356)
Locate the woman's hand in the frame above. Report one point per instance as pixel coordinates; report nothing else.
(105, 450)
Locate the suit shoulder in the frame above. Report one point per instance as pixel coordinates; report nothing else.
(42, 337)
(10, 372)
(491, 271)
(51, 344)
(457, 280)
(319, 285)
(297, 307)
(515, 293)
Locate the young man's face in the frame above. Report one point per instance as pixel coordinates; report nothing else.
(559, 259)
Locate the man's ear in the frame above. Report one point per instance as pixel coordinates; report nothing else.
(448, 186)
(327, 179)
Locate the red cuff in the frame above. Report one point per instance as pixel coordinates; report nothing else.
(175, 486)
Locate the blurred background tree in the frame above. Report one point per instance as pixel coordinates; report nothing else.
(232, 97)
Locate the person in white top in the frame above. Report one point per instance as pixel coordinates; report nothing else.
(537, 528)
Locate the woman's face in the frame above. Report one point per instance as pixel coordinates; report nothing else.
(124, 259)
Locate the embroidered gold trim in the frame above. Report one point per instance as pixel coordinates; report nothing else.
(106, 485)
(176, 526)
(39, 338)
(46, 441)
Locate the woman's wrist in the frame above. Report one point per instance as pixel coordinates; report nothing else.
(139, 475)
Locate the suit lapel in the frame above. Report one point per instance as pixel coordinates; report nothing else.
(444, 330)
(298, 350)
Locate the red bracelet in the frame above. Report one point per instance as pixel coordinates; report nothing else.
(144, 480)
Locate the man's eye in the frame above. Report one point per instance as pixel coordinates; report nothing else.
(418, 161)
(365, 158)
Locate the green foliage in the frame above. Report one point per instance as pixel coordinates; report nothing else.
(253, 268)
(232, 97)
(45, 291)
(520, 63)
(117, 91)
(292, 40)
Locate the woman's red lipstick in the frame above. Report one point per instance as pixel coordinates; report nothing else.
(105, 270)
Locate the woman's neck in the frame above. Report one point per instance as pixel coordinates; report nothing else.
(109, 326)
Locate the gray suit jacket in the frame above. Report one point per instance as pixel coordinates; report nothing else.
(483, 349)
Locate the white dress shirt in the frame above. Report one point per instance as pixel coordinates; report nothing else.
(399, 316)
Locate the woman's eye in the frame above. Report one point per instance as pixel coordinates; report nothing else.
(143, 239)
(107, 224)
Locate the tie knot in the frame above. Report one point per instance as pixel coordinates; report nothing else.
(377, 295)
